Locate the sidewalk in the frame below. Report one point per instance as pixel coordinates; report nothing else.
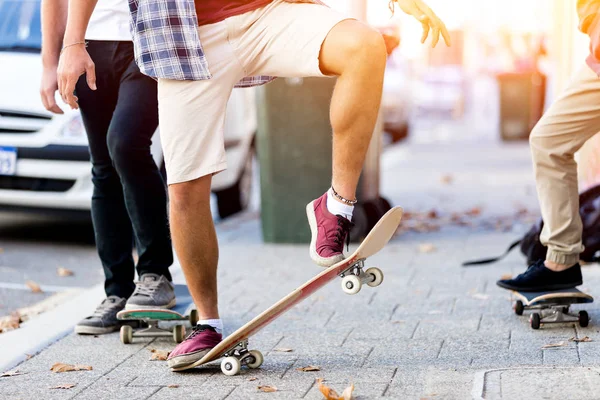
(432, 330)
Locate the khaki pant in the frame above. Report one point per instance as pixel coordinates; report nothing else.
(565, 127)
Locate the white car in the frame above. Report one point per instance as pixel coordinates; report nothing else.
(44, 158)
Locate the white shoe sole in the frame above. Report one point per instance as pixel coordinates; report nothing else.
(171, 304)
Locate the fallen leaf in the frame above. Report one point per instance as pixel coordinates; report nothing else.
(283, 350)
(252, 379)
(579, 340)
(474, 212)
(267, 388)
(159, 355)
(28, 356)
(506, 276)
(61, 271)
(426, 248)
(310, 368)
(553, 345)
(60, 367)
(10, 322)
(432, 214)
(446, 179)
(173, 386)
(12, 373)
(331, 394)
(63, 386)
(34, 287)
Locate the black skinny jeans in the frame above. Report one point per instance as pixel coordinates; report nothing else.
(129, 204)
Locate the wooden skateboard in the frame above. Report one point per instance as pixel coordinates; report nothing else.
(553, 306)
(234, 348)
(179, 314)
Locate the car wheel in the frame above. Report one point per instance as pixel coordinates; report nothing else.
(236, 197)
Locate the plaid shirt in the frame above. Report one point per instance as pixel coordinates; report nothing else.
(166, 41)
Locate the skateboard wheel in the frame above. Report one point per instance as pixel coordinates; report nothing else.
(257, 357)
(126, 334)
(178, 333)
(535, 321)
(194, 317)
(351, 284)
(519, 308)
(230, 366)
(377, 276)
(584, 319)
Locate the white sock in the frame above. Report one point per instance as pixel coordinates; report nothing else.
(215, 323)
(337, 207)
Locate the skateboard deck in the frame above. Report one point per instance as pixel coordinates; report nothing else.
(234, 347)
(152, 316)
(552, 306)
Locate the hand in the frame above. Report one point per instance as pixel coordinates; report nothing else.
(430, 21)
(48, 90)
(74, 62)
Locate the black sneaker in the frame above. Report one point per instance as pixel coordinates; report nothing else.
(104, 319)
(538, 278)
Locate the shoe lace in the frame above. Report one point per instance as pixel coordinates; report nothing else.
(197, 329)
(343, 231)
(105, 307)
(146, 287)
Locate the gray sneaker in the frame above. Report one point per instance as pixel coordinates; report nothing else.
(152, 291)
(104, 319)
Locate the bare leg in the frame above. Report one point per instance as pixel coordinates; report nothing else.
(195, 242)
(357, 54)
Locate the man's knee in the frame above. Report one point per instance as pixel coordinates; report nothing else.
(123, 149)
(194, 194)
(350, 43)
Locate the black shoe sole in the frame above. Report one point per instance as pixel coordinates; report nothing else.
(546, 288)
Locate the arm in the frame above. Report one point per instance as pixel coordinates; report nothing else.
(74, 59)
(54, 22)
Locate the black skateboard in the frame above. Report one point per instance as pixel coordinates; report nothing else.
(552, 307)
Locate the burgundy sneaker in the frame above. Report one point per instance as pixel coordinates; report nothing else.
(187, 353)
(329, 233)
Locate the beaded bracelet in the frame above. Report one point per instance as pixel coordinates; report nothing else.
(343, 200)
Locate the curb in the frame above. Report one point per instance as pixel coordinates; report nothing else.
(43, 330)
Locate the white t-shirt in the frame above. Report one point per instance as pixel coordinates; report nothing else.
(110, 21)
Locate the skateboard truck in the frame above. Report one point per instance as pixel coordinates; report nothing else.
(153, 330)
(240, 355)
(551, 314)
(354, 277)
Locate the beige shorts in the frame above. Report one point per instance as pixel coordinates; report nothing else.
(281, 39)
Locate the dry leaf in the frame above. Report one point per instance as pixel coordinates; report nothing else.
(474, 212)
(283, 350)
(426, 248)
(432, 214)
(28, 356)
(159, 355)
(10, 322)
(331, 394)
(63, 386)
(34, 287)
(173, 386)
(579, 340)
(310, 368)
(267, 388)
(12, 373)
(553, 345)
(61, 271)
(506, 276)
(60, 367)
(252, 379)
(446, 179)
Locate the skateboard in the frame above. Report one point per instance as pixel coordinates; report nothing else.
(179, 314)
(234, 348)
(552, 307)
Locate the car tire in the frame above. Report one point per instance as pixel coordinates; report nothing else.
(236, 198)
